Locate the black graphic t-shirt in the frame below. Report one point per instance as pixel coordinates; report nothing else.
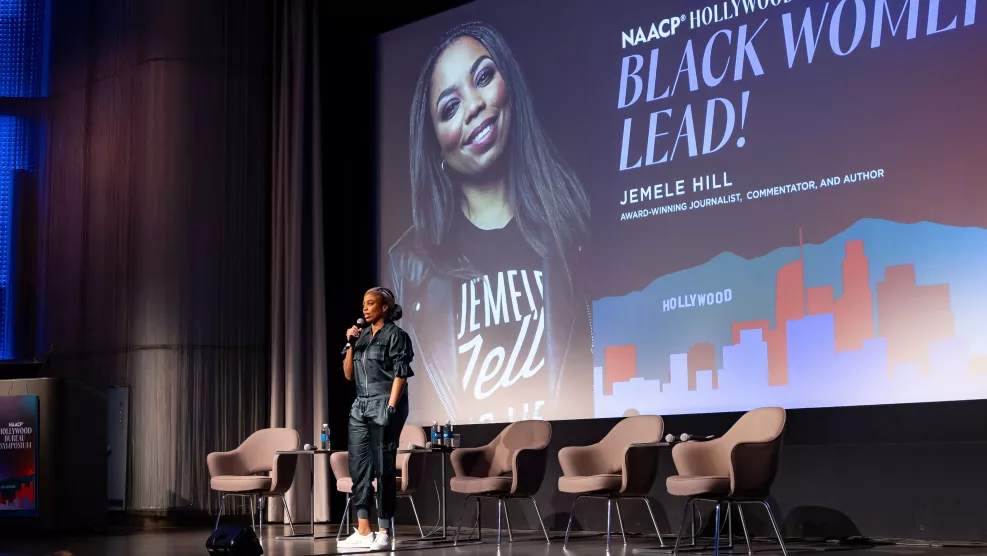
(500, 326)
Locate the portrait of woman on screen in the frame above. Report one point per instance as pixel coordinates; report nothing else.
(492, 267)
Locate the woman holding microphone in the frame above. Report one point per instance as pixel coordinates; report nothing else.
(379, 363)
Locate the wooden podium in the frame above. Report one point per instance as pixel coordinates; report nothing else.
(69, 490)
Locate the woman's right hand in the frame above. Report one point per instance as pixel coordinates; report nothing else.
(353, 333)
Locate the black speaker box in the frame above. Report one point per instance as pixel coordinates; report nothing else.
(234, 540)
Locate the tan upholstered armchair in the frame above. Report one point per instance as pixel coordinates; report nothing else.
(409, 469)
(255, 470)
(511, 466)
(737, 468)
(622, 465)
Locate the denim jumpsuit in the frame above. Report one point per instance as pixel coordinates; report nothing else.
(373, 434)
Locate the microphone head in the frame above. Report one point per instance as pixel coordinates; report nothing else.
(685, 437)
(669, 438)
(361, 322)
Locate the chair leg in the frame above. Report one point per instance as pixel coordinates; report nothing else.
(222, 499)
(291, 523)
(479, 521)
(346, 516)
(653, 521)
(730, 524)
(260, 516)
(716, 532)
(743, 525)
(572, 514)
(697, 518)
(620, 520)
(507, 518)
(678, 538)
(418, 521)
(500, 514)
(252, 522)
(461, 514)
(609, 522)
(774, 524)
(542, 521)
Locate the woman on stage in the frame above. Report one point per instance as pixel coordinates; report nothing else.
(379, 362)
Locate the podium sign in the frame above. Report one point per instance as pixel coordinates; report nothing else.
(18, 456)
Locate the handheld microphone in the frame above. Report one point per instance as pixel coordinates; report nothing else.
(685, 437)
(360, 323)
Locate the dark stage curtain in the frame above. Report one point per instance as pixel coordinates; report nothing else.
(156, 253)
(299, 392)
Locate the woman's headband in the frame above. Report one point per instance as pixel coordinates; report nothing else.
(387, 294)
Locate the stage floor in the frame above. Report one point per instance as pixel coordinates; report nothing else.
(191, 541)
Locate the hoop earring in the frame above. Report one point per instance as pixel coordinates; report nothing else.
(442, 165)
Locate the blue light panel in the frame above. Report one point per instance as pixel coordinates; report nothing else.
(23, 41)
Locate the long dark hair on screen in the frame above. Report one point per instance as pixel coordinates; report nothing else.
(550, 205)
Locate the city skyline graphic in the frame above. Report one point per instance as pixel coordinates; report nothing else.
(882, 313)
(17, 494)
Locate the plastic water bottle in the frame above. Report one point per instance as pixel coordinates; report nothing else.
(447, 434)
(325, 436)
(435, 433)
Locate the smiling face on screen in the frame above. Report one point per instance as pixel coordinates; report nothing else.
(470, 108)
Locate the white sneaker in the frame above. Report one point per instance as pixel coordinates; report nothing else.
(356, 540)
(382, 541)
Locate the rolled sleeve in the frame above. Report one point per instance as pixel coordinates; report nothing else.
(401, 354)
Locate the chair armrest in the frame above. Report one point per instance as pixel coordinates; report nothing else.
(528, 468)
(577, 461)
(640, 469)
(283, 472)
(700, 459)
(411, 472)
(470, 462)
(224, 463)
(753, 468)
(339, 462)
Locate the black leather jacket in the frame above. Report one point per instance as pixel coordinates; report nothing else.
(430, 321)
(378, 360)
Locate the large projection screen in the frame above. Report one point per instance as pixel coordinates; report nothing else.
(597, 208)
